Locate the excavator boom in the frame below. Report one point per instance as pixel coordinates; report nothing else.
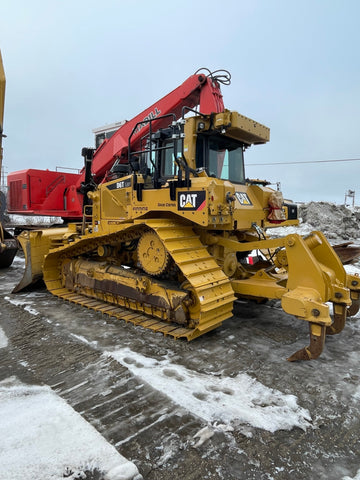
(37, 192)
(196, 90)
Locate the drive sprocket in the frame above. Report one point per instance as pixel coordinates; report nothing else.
(152, 254)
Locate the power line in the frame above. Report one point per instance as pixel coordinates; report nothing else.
(308, 161)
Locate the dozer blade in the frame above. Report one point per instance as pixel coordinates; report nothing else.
(28, 277)
(32, 272)
(36, 245)
(347, 252)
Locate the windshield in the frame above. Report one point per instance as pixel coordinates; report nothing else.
(221, 157)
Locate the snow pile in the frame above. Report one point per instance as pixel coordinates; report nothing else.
(230, 401)
(335, 221)
(41, 436)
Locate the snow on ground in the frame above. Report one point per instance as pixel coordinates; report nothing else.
(231, 401)
(3, 339)
(19, 260)
(41, 436)
(357, 477)
(352, 269)
(23, 303)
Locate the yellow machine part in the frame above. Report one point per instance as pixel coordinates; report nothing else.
(305, 276)
(202, 303)
(35, 245)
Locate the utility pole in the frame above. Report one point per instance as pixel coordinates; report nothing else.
(350, 194)
(2, 103)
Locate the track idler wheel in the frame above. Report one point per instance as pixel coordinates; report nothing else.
(317, 342)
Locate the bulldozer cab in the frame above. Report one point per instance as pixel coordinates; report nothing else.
(220, 157)
(188, 147)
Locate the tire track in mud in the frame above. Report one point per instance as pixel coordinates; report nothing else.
(145, 427)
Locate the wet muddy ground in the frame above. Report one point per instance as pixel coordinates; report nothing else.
(104, 369)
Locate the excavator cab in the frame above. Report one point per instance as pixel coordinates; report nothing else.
(169, 150)
(157, 158)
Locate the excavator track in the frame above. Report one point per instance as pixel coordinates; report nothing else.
(211, 293)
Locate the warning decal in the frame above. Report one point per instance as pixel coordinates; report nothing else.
(191, 200)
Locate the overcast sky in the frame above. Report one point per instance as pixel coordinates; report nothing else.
(75, 65)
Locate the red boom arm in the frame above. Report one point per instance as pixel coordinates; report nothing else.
(62, 198)
(196, 90)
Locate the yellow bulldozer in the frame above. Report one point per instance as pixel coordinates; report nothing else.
(162, 224)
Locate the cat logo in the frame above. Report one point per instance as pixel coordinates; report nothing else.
(191, 200)
(243, 199)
